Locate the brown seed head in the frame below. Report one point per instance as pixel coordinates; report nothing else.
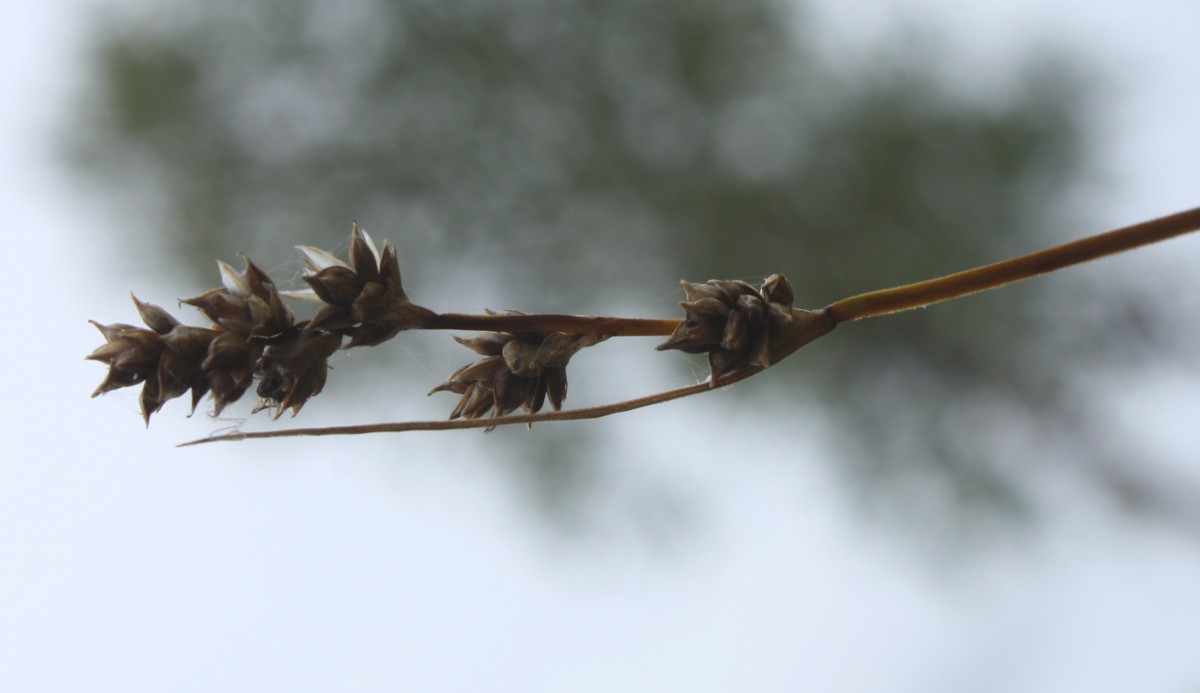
(166, 359)
(733, 322)
(517, 372)
(248, 302)
(131, 354)
(365, 299)
(230, 366)
(295, 369)
(180, 367)
(337, 285)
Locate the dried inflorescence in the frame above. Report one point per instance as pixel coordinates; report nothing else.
(166, 360)
(734, 323)
(743, 330)
(364, 300)
(517, 371)
(294, 369)
(254, 336)
(248, 313)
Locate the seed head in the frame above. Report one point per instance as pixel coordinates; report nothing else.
(732, 322)
(180, 366)
(230, 366)
(365, 299)
(166, 359)
(130, 352)
(248, 302)
(518, 371)
(294, 370)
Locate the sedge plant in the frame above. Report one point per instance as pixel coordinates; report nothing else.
(254, 340)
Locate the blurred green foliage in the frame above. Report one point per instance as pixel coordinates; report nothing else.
(575, 154)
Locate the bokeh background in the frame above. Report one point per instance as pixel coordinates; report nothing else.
(1000, 493)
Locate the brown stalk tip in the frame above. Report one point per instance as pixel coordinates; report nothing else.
(518, 371)
(737, 325)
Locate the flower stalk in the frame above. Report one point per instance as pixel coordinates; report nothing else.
(997, 274)
(742, 329)
(575, 324)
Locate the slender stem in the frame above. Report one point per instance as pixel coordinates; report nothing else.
(952, 286)
(566, 415)
(580, 324)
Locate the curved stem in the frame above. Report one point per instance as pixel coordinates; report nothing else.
(952, 286)
(576, 324)
(565, 415)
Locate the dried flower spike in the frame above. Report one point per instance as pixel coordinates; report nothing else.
(294, 370)
(248, 311)
(365, 299)
(732, 322)
(165, 359)
(518, 371)
(248, 303)
(255, 336)
(230, 366)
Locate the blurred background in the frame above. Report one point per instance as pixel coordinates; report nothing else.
(1000, 493)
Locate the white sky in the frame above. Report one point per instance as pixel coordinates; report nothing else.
(406, 563)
